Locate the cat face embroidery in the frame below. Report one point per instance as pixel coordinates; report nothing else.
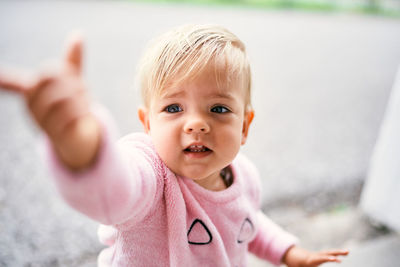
(246, 231)
(199, 234)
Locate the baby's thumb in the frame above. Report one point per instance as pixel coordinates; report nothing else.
(73, 55)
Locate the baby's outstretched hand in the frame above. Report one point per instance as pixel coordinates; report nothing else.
(59, 104)
(298, 257)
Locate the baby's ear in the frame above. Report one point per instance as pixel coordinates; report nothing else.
(143, 114)
(248, 118)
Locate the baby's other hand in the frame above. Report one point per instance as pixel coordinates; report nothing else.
(298, 257)
(59, 104)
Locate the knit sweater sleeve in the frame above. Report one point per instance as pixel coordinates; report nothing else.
(120, 185)
(271, 241)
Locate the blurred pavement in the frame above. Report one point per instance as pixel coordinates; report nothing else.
(321, 83)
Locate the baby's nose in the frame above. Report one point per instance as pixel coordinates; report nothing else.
(196, 125)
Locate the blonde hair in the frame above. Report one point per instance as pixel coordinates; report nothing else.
(184, 53)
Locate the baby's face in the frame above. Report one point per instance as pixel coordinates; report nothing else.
(197, 129)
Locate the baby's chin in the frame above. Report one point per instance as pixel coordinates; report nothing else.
(196, 175)
(198, 171)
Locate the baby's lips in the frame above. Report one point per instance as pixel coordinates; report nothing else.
(197, 148)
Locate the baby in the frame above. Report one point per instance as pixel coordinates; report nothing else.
(179, 194)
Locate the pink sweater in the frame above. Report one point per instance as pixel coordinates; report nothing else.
(156, 218)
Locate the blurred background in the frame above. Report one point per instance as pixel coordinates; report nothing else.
(323, 73)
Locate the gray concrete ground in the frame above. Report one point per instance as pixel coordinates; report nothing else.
(321, 83)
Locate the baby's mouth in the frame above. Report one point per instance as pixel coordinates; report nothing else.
(197, 149)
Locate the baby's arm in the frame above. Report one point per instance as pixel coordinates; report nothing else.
(59, 104)
(92, 174)
(271, 241)
(276, 245)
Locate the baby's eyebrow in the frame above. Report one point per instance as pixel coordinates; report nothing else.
(180, 93)
(173, 94)
(222, 95)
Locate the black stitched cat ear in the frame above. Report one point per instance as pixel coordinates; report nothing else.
(199, 234)
(246, 231)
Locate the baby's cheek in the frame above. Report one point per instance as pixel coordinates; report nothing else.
(231, 143)
(160, 140)
(166, 143)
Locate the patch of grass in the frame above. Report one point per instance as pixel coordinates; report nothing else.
(372, 8)
(339, 208)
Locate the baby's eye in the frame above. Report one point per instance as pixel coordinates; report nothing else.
(220, 109)
(173, 108)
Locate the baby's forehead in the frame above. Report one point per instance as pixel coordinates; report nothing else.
(207, 83)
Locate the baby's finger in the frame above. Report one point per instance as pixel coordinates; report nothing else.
(338, 252)
(73, 56)
(16, 81)
(320, 259)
